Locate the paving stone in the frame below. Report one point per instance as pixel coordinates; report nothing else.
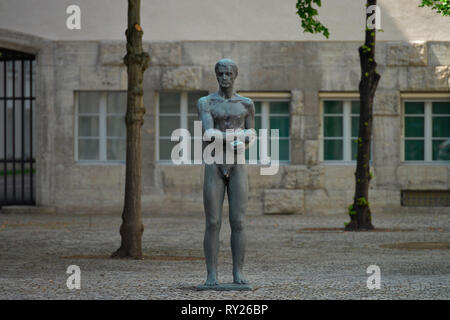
(281, 263)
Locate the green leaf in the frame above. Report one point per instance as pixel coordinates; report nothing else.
(440, 6)
(308, 14)
(362, 201)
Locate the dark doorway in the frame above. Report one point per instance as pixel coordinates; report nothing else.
(17, 101)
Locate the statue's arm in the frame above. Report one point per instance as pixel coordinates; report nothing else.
(250, 132)
(205, 116)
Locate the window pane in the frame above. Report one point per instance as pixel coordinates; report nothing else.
(116, 149)
(284, 150)
(354, 154)
(257, 106)
(28, 84)
(116, 102)
(192, 100)
(355, 126)
(257, 124)
(247, 152)
(9, 82)
(441, 127)
(333, 127)
(2, 83)
(355, 106)
(191, 120)
(167, 124)
(414, 107)
(441, 150)
(442, 107)
(414, 127)
(89, 102)
(88, 149)
(88, 126)
(165, 148)
(414, 150)
(280, 123)
(333, 150)
(279, 107)
(169, 102)
(17, 78)
(354, 149)
(115, 126)
(332, 107)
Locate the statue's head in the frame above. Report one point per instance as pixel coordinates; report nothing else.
(226, 72)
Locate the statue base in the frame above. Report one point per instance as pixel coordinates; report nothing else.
(227, 287)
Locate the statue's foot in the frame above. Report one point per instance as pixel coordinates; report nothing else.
(239, 278)
(211, 281)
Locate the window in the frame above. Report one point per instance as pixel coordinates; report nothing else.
(179, 110)
(272, 113)
(100, 127)
(425, 198)
(175, 110)
(340, 130)
(426, 130)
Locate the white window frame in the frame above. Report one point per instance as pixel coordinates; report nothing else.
(102, 115)
(346, 98)
(183, 114)
(427, 99)
(264, 97)
(265, 119)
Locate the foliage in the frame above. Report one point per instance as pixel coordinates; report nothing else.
(308, 14)
(351, 211)
(362, 202)
(441, 6)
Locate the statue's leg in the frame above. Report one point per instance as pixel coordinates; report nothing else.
(237, 190)
(213, 195)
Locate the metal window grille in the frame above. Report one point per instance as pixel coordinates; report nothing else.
(17, 99)
(425, 198)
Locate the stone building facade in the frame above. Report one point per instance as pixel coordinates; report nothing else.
(306, 74)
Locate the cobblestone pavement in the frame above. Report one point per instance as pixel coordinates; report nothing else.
(283, 263)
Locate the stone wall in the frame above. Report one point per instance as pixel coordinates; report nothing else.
(306, 186)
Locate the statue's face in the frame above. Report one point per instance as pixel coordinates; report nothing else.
(225, 76)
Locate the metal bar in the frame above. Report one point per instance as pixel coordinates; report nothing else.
(31, 130)
(32, 98)
(14, 128)
(10, 161)
(5, 133)
(22, 132)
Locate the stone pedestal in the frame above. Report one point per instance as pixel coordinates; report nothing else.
(227, 287)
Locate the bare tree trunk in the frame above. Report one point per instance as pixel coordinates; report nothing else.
(136, 61)
(360, 209)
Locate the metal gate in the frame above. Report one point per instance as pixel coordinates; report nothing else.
(17, 100)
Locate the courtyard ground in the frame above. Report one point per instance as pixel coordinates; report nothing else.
(288, 257)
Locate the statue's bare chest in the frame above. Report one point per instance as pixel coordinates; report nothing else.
(228, 114)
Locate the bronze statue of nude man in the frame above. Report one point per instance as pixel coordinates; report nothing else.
(218, 112)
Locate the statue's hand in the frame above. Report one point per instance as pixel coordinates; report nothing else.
(237, 145)
(250, 136)
(240, 134)
(211, 134)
